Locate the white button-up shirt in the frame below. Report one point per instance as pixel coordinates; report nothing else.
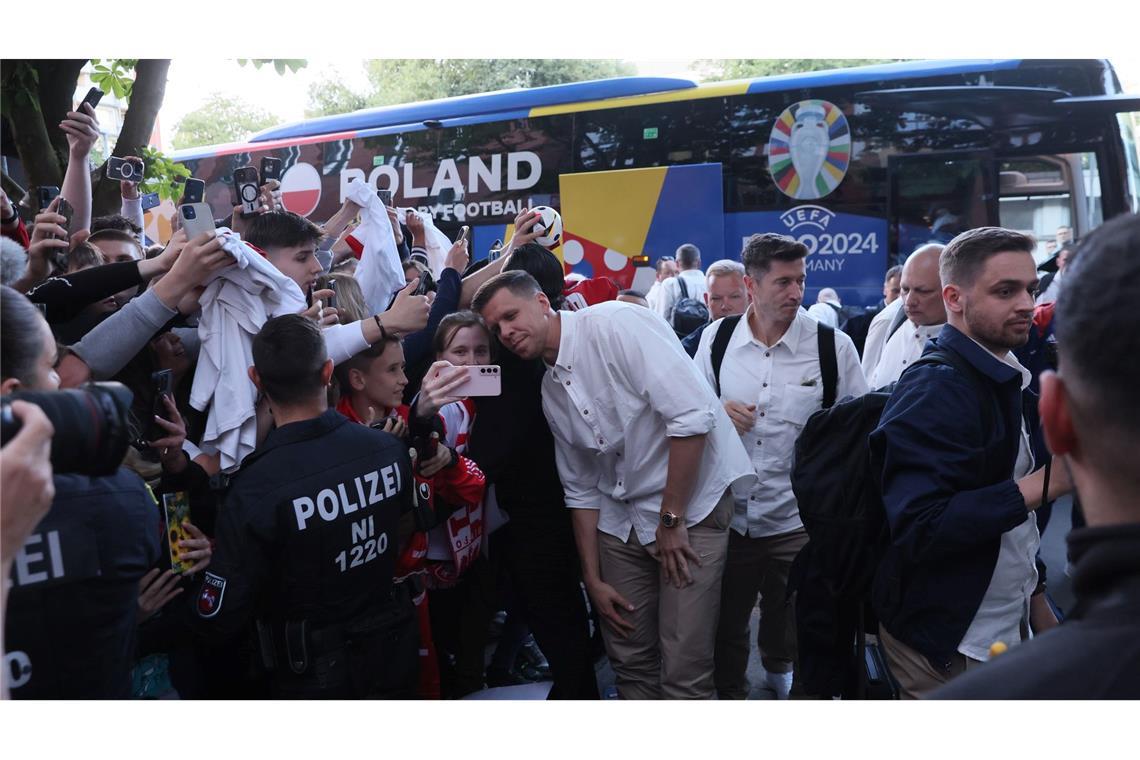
(824, 313)
(1005, 605)
(877, 336)
(621, 387)
(902, 350)
(785, 383)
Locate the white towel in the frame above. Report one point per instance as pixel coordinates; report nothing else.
(436, 243)
(379, 272)
(235, 305)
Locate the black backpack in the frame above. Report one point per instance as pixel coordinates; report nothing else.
(841, 505)
(688, 313)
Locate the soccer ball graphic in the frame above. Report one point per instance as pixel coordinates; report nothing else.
(549, 226)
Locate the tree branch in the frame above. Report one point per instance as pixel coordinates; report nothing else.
(147, 94)
(22, 108)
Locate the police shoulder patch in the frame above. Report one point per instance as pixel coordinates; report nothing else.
(210, 598)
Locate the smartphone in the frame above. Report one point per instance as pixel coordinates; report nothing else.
(330, 302)
(248, 190)
(94, 95)
(64, 208)
(385, 197)
(194, 191)
(427, 284)
(463, 232)
(482, 380)
(496, 250)
(163, 384)
(177, 508)
(196, 219)
(270, 169)
(45, 194)
(125, 170)
(150, 200)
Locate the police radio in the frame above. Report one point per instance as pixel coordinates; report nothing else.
(422, 509)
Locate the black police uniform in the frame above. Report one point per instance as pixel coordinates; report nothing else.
(305, 547)
(73, 607)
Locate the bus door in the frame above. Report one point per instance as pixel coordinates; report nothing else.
(610, 216)
(933, 197)
(1054, 197)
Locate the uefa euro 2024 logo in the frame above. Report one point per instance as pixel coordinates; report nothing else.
(809, 149)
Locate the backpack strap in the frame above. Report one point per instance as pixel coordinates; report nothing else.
(828, 364)
(684, 288)
(720, 345)
(896, 323)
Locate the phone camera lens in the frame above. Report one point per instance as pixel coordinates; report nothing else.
(188, 212)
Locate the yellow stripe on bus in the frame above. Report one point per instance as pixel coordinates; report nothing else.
(718, 90)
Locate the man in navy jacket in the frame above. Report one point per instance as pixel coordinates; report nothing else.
(1092, 423)
(960, 453)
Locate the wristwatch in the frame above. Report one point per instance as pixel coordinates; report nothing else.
(670, 520)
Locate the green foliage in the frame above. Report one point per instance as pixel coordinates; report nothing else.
(221, 119)
(162, 175)
(748, 68)
(281, 64)
(114, 76)
(410, 80)
(329, 96)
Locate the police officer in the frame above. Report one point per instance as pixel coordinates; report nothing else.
(307, 537)
(73, 605)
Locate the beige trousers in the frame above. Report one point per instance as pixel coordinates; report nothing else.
(915, 674)
(669, 654)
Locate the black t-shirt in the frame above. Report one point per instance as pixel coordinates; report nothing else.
(308, 528)
(72, 610)
(512, 444)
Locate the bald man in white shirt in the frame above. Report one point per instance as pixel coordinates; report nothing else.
(647, 458)
(921, 295)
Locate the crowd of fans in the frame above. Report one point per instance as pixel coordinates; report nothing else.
(356, 458)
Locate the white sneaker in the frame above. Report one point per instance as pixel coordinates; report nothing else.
(780, 683)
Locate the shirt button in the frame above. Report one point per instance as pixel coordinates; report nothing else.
(567, 382)
(585, 411)
(767, 353)
(600, 441)
(765, 385)
(761, 414)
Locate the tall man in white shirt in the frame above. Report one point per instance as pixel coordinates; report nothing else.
(925, 315)
(689, 270)
(647, 457)
(770, 382)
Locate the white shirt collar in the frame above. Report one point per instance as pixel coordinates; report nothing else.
(743, 334)
(1008, 359)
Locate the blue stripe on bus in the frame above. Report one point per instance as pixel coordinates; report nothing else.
(475, 105)
(886, 71)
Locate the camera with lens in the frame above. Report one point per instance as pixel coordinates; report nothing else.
(188, 212)
(91, 426)
(122, 169)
